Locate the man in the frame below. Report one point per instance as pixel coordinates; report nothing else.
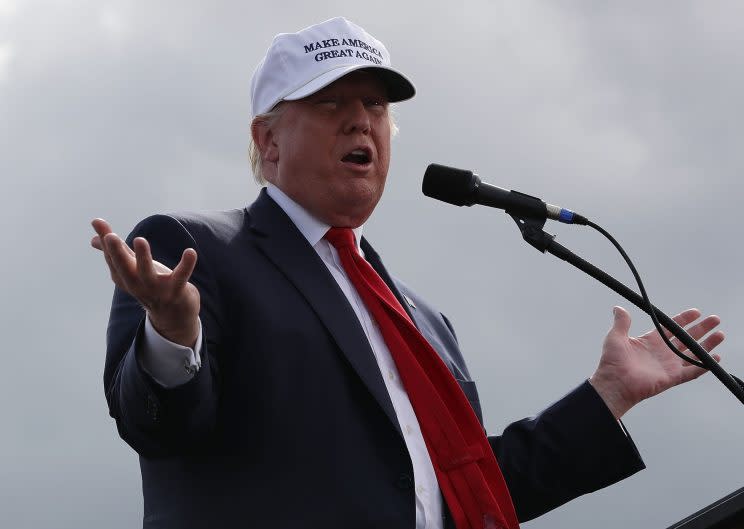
(285, 379)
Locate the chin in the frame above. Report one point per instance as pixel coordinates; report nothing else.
(352, 213)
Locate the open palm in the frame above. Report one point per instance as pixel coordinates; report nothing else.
(632, 369)
(171, 301)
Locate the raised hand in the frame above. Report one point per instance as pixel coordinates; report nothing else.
(633, 369)
(172, 303)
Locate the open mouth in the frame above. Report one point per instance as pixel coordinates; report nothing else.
(357, 156)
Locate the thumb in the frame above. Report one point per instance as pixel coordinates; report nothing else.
(621, 324)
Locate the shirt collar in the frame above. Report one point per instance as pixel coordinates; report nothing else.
(311, 228)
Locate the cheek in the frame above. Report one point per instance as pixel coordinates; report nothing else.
(315, 149)
(383, 141)
(303, 154)
(384, 154)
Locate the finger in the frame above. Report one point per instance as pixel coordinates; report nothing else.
(683, 318)
(101, 227)
(691, 372)
(185, 267)
(112, 242)
(713, 341)
(621, 323)
(122, 259)
(143, 256)
(113, 272)
(112, 267)
(699, 330)
(104, 234)
(97, 243)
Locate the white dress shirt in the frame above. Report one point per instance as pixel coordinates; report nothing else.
(171, 364)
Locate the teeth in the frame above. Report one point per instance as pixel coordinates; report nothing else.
(357, 156)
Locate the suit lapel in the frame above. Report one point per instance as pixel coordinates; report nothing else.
(374, 259)
(418, 319)
(281, 242)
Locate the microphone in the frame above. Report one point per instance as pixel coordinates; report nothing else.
(464, 188)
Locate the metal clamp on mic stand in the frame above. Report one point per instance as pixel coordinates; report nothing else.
(533, 233)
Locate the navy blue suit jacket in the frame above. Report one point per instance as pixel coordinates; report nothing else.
(288, 423)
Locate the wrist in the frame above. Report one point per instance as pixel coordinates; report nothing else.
(182, 332)
(612, 395)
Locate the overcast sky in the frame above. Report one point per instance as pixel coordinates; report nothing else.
(629, 113)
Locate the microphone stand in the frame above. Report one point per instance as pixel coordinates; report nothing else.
(533, 233)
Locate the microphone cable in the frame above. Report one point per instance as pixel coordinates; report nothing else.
(650, 308)
(464, 188)
(644, 295)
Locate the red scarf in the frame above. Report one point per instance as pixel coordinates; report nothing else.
(466, 468)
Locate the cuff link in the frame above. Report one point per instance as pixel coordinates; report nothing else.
(191, 370)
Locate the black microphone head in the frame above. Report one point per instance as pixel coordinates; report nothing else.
(455, 186)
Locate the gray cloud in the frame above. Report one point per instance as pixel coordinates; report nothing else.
(629, 114)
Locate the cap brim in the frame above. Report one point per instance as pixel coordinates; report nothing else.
(399, 88)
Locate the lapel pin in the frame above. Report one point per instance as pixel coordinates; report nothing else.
(409, 301)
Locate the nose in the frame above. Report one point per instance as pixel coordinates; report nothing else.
(357, 118)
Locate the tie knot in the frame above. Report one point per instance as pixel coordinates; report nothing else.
(340, 237)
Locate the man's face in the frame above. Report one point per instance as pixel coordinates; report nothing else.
(332, 149)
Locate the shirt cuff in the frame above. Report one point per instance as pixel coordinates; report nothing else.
(169, 364)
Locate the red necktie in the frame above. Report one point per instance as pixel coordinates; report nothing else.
(466, 468)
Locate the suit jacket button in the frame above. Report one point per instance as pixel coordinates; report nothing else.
(152, 409)
(404, 482)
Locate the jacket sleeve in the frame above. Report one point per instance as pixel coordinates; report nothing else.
(155, 421)
(573, 447)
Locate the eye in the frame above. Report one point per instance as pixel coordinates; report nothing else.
(375, 102)
(377, 105)
(327, 102)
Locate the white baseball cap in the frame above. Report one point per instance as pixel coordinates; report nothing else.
(299, 64)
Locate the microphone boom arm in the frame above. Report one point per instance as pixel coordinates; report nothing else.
(533, 233)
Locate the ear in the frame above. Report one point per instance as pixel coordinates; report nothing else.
(263, 137)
